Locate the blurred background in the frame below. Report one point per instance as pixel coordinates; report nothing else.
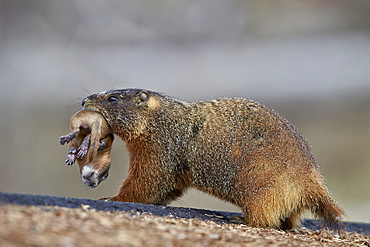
(309, 60)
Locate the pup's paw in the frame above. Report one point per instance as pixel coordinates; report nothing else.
(71, 158)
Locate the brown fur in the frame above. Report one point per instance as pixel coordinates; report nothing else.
(90, 143)
(235, 149)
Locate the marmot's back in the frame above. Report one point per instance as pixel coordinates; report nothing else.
(251, 156)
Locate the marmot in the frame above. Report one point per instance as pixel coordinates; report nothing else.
(233, 148)
(91, 141)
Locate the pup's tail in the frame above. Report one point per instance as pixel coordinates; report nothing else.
(94, 141)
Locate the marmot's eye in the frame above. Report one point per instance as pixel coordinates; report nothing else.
(112, 99)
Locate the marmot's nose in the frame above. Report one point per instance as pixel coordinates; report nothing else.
(83, 102)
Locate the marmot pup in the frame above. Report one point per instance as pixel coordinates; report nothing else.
(91, 141)
(233, 148)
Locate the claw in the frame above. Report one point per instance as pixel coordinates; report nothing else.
(82, 151)
(67, 138)
(69, 162)
(106, 199)
(71, 158)
(64, 139)
(102, 144)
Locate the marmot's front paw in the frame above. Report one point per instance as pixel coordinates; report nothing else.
(107, 199)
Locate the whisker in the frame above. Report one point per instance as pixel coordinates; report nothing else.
(116, 83)
(77, 104)
(108, 85)
(113, 84)
(86, 91)
(80, 98)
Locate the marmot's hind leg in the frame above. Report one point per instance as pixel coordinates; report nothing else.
(290, 222)
(270, 215)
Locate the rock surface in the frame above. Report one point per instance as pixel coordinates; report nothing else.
(44, 220)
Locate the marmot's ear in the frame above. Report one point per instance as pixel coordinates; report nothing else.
(143, 97)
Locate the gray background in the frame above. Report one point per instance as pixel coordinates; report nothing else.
(309, 60)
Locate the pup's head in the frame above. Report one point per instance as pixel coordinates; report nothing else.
(93, 177)
(96, 171)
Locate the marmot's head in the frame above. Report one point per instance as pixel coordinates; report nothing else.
(127, 111)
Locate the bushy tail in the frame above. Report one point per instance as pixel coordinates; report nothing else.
(328, 210)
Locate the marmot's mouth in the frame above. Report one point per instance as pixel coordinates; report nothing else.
(95, 109)
(91, 109)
